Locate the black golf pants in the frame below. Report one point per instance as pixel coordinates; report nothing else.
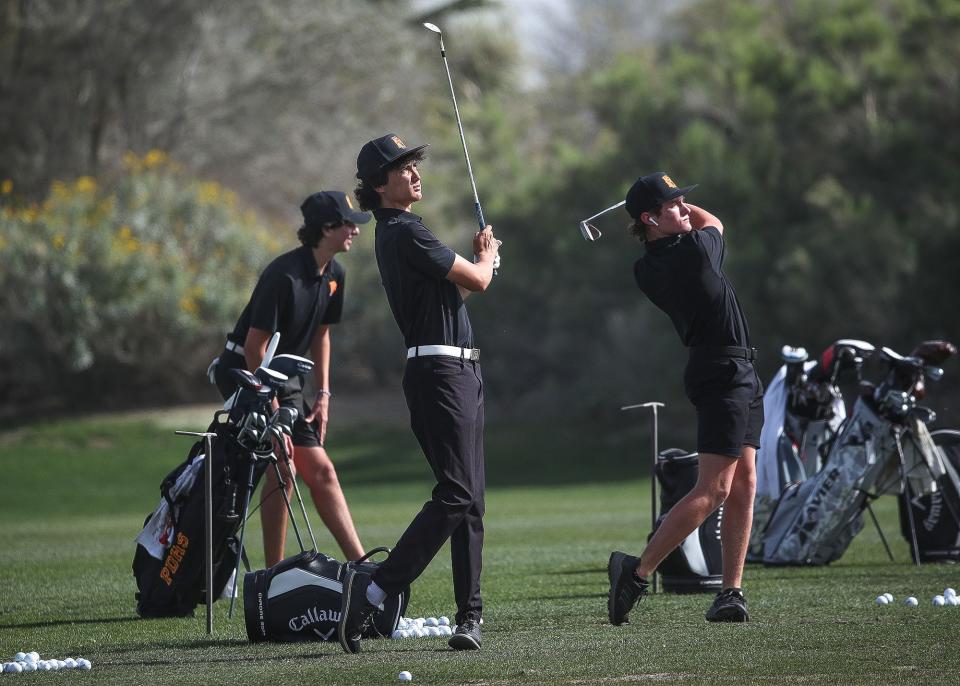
(445, 398)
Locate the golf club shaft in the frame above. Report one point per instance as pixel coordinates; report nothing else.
(609, 209)
(303, 508)
(463, 141)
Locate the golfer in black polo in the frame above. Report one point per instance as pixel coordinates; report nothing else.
(300, 294)
(426, 283)
(682, 274)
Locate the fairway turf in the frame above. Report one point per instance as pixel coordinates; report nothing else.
(76, 492)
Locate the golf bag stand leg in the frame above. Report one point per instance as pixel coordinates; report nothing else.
(883, 539)
(897, 435)
(296, 489)
(243, 530)
(282, 486)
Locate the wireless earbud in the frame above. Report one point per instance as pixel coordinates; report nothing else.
(653, 221)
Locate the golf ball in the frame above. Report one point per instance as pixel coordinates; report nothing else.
(953, 600)
(13, 668)
(83, 664)
(397, 634)
(20, 657)
(938, 601)
(882, 600)
(404, 676)
(431, 621)
(33, 655)
(911, 602)
(445, 631)
(28, 666)
(889, 597)
(70, 663)
(947, 592)
(444, 621)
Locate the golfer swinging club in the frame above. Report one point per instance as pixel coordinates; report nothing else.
(426, 283)
(681, 273)
(300, 294)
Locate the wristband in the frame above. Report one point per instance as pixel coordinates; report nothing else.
(326, 392)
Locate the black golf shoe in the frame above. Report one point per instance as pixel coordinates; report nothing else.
(729, 606)
(467, 636)
(625, 589)
(356, 612)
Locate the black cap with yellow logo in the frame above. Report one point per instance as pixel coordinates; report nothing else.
(651, 191)
(380, 152)
(330, 207)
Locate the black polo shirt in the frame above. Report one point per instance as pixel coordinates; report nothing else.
(413, 268)
(292, 298)
(683, 276)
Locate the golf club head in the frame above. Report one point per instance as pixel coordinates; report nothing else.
(275, 380)
(245, 379)
(589, 231)
(291, 365)
(432, 27)
(288, 415)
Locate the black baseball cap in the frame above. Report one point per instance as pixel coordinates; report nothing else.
(650, 191)
(331, 207)
(378, 153)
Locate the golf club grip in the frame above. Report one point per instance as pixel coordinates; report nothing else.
(480, 219)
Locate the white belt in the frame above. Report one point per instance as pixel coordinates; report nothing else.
(234, 347)
(447, 350)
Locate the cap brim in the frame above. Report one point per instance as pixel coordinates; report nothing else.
(676, 193)
(405, 153)
(357, 217)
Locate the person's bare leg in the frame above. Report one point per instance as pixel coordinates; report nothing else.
(714, 479)
(738, 518)
(273, 515)
(318, 473)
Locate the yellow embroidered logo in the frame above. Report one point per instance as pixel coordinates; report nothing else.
(349, 202)
(399, 143)
(332, 285)
(667, 180)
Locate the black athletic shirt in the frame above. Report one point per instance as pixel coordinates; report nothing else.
(683, 276)
(292, 298)
(413, 268)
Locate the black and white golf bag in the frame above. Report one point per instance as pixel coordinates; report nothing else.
(168, 563)
(299, 600)
(696, 565)
(814, 521)
(936, 514)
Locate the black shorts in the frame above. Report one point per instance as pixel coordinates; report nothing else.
(728, 396)
(305, 434)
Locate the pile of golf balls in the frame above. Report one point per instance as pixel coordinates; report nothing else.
(31, 662)
(949, 597)
(422, 627)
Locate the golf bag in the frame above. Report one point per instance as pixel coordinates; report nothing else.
(168, 563)
(815, 520)
(299, 600)
(696, 565)
(935, 514)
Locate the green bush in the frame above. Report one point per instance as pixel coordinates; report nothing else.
(120, 292)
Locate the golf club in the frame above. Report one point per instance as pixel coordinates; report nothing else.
(456, 111)
(588, 230)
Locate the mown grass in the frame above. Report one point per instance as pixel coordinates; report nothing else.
(76, 492)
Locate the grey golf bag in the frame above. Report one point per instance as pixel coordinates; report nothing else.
(696, 565)
(936, 514)
(884, 448)
(299, 599)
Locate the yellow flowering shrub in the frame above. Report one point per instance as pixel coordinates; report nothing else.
(130, 284)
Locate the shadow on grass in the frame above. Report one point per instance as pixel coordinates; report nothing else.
(516, 454)
(574, 572)
(65, 622)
